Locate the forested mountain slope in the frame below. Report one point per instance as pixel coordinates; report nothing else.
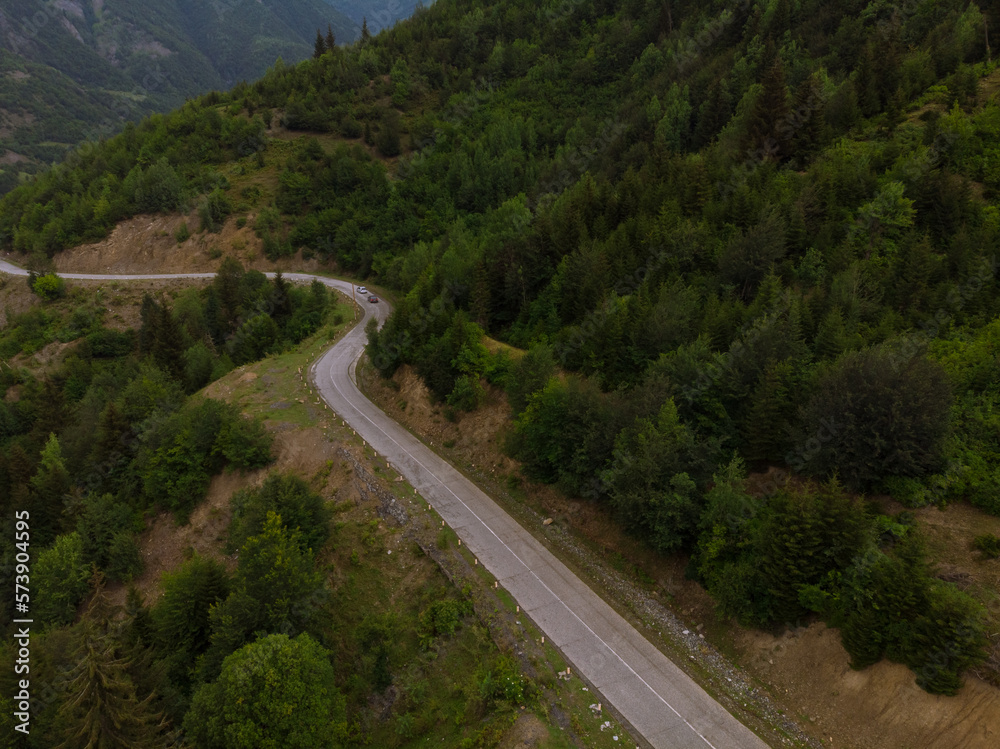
(729, 235)
(78, 70)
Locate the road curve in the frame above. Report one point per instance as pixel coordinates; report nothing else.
(661, 703)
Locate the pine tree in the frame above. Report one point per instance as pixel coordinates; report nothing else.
(771, 122)
(866, 84)
(766, 424)
(168, 343)
(331, 40)
(479, 305)
(320, 46)
(214, 318)
(139, 622)
(19, 472)
(713, 114)
(112, 426)
(781, 19)
(281, 303)
(831, 338)
(101, 710)
(51, 416)
(365, 34)
(149, 315)
(918, 267)
(807, 124)
(49, 486)
(226, 285)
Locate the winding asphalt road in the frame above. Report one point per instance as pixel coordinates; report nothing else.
(660, 702)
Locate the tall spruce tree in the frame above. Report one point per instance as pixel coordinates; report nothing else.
(168, 342)
(101, 709)
(767, 421)
(805, 125)
(49, 487)
(831, 338)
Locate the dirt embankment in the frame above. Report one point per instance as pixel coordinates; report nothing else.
(148, 244)
(805, 670)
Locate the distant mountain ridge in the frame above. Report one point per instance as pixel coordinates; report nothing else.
(72, 70)
(380, 14)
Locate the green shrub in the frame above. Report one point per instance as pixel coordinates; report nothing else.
(502, 681)
(60, 577)
(528, 375)
(467, 395)
(183, 233)
(441, 618)
(214, 210)
(49, 287)
(124, 557)
(289, 496)
(351, 128)
(988, 545)
(111, 344)
(909, 492)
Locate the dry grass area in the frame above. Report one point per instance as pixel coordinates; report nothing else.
(147, 244)
(806, 669)
(880, 707)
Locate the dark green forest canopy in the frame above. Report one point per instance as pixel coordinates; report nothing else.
(756, 228)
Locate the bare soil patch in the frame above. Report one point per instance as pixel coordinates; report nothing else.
(11, 157)
(147, 244)
(877, 708)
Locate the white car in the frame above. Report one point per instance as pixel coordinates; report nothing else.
(362, 290)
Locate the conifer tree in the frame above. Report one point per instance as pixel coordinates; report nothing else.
(281, 303)
(866, 83)
(713, 114)
(766, 424)
(320, 46)
(806, 123)
(19, 471)
(168, 342)
(51, 415)
(769, 123)
(110, 451)
(149, 315)
(479, 305)
(365, 34)
(49, 486)
(101, 709)
(331, 40)
(831, 338)
(181, 618)
(227, 286)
